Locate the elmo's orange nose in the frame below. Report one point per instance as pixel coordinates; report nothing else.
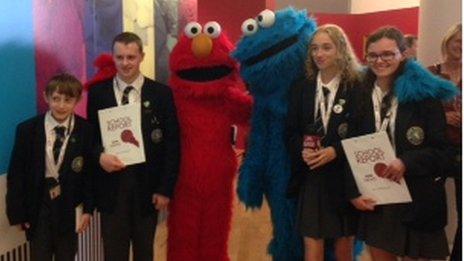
(202, 46)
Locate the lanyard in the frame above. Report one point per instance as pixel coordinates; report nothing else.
(383, 125)
(56, 166)
(326, 111)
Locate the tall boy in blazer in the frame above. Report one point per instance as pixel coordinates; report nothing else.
(130, 196)
(48, 175)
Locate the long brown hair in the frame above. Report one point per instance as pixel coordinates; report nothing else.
(346, 61)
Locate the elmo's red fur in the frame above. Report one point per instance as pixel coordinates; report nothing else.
(105, 70)
(201, 210)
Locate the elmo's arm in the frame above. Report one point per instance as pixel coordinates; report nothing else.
(239, 104)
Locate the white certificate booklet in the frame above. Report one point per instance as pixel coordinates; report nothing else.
(368, 156)
(121, 133)
(79, 213)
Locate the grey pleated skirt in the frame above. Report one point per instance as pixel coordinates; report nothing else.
(318, 217)
(384, 229)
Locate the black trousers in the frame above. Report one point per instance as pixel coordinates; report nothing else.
(127, 225)
(456, 253)
(49, 239)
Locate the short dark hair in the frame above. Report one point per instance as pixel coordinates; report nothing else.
(127, 38)
(388, 32)
(391, 33)
(410, 38)
(66, 84)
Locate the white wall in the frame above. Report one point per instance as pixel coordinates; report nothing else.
(369, 6)
(138, 18)
(435, 17)
(347, 6)
(316, 6)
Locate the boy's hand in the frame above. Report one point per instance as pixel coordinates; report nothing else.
(161, 202)
(24, 226)
(111, 163)
(84, 224)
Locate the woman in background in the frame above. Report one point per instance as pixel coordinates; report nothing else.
(450, 69)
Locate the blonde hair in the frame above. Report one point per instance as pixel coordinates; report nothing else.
(347, 61)
(452, 31)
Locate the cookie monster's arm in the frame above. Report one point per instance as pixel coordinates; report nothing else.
(294, 139)
(251, 181)
(238, 104)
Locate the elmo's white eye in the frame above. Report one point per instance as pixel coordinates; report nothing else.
(213, 29)
(192, 29)
(249, 27)
(266, 18)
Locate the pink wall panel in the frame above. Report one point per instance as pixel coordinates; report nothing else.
(59, 42)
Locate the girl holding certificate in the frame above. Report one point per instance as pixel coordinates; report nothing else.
(317, 122)
(403, 99)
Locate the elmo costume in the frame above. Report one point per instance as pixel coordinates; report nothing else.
(106, 70)
(209, 98)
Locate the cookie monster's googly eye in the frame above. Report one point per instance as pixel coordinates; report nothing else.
(192, 29)
(266, 18)
(213, 29)
(249, 27)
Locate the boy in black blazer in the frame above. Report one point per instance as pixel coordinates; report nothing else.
(130, 196)
(48, 174)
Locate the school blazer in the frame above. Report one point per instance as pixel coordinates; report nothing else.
(159, 173)
(301, 113)
(26, 174)
(421, 145)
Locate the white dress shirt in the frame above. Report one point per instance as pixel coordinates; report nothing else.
(135, 95)
(390, 119)
(52, 169)
(320, 102)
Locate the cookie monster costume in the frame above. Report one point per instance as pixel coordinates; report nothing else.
(272, 56)
(210, 97)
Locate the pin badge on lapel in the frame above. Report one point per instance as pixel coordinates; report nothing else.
(146, 107)
(156, 135)
(338, 108)
(77, 164)
(55, 192)
(342, 130)
(415, 135)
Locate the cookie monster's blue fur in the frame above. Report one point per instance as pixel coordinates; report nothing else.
(266, 169)
(417, 83)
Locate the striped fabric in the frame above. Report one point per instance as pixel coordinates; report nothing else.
(90, 245)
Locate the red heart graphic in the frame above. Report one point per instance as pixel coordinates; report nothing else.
(379, 169)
